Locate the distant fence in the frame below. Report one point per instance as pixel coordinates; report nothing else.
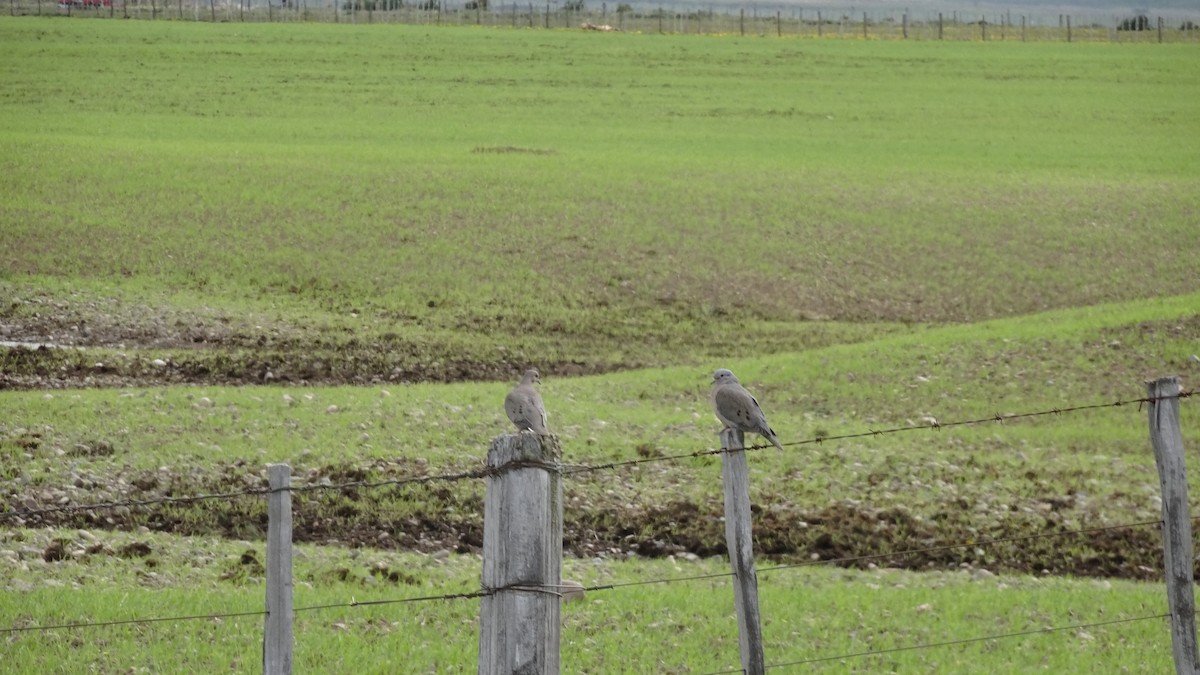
(521, 589)
(759, 20)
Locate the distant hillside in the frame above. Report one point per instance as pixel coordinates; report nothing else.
(1167, 8)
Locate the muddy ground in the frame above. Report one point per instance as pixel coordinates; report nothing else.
(38, 353)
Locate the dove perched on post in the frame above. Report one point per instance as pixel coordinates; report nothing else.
(524, 405)
(737, 409)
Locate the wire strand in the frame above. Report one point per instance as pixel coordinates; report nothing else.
(122, 622)
(572, 470)
(395, 601)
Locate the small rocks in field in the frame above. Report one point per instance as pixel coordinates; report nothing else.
(332, 409)
(924, 608)
(56, 551)
(158, 363)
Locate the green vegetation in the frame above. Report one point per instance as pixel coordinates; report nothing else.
(336, 246)
(411, 196)
(678, 627)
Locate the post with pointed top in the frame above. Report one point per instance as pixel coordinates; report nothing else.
(739, 539)
(522, 557)
(277, 639)
(1167, 441)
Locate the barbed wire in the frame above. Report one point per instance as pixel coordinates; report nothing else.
(876, 556)
(571, 470)
(558, 588)
(309, 608)
(396, 601)
(997, 417)
(950, 643)
(122, 622)
(935, 426)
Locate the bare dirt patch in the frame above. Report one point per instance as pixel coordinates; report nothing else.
(448, 517)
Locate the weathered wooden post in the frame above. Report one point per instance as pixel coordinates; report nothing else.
(522, 557)
(1167, 441)
(739, 539)
(277, 640)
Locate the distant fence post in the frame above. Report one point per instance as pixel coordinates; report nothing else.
(739, 539)
(519, 620)
(1167, 441)
(277, 640)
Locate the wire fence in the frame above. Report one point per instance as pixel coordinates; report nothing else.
(575, 469)
(21, 515)
(994, 24)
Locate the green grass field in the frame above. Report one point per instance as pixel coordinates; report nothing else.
(336, 246)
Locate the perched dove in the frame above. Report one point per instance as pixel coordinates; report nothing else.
(737, 409)
(524, 405)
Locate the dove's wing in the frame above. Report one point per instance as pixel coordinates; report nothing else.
(525, 409)
(737, 408)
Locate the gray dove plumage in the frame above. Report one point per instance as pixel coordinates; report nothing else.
(737, 409)
(524, 405)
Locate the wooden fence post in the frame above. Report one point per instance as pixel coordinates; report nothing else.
(519, 622)
(277, 640)
(1167, 441)
(739, 539)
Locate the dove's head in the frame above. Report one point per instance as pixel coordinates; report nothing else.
(531, 377)
(724, 376)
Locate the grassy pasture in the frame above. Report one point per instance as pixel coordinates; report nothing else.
(675, 628)
(603, 201)
(869, 233)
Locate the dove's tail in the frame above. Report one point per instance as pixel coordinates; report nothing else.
(773, 438)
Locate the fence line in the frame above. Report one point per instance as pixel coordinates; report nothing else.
(121, 622)
(574, 469)
(224, 615)
(595, 587)
(502, 470)
(780, 21)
